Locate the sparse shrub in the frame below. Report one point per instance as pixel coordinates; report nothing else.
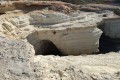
(117, 11)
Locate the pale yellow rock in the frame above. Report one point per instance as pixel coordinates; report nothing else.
(73, 34)
(18, 62)
(8, 26)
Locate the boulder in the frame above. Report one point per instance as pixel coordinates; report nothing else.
(69, 36)
(111, 28)
(15, 58)
(70, 41)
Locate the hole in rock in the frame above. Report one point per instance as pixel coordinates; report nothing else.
(107, 44)
(47, 47)
(54, 32)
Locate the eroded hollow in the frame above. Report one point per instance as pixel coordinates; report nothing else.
(47, 47)
(107, 44)
(110, 39)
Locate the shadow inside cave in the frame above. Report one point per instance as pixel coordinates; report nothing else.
(47, 47)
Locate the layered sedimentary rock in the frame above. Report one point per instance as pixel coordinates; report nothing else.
(69, 32)
(72, 34)
(6, 6)
(69, 41)
(111, 28)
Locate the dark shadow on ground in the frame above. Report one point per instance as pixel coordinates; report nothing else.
(107, 44)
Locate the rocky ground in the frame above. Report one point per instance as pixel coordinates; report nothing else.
(74, 29)
(87, 67)
(18, 62)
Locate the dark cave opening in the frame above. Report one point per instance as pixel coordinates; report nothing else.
(107, 44)
(47, 47)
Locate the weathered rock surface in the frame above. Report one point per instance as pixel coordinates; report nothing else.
(99, 7)
(72, 30)
(110, 39)
(15, 58)
(6, 6)
(69, 30)
(111, 28)
(73, 34)
(91, 67)
(48, 17)
(17, 62)
(71, 41)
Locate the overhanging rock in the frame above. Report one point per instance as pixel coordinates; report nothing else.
(70, 41)
(78, 35)
(72, 34)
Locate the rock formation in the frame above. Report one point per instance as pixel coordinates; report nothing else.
(18, 62)
(28, 27)
(15, 58)
(69, 30)
(110, 39)
(111, 28)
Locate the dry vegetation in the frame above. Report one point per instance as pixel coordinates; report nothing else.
(117, 11)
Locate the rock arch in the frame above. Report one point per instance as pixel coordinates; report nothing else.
(44, 44)
(47, 47)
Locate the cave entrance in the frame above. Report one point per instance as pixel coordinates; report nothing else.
(107, 44)
(47, 47)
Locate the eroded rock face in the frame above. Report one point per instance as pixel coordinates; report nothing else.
(6, 6)
(48, 17)
(73, 34)
(17, 62)
(70, 37)
(71, 30)
(111, 28)
(69, 41)
(68, 32)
